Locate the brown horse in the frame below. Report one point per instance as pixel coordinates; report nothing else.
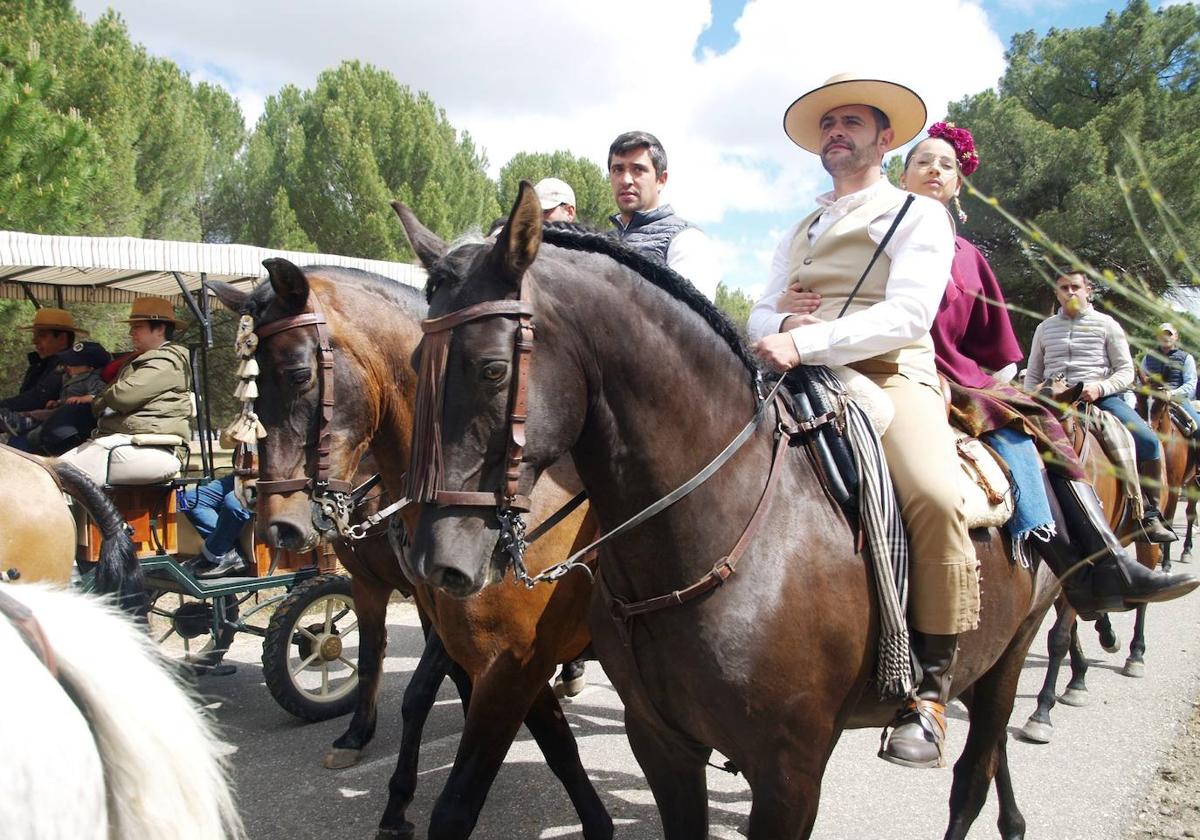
(39, 530)
(643, 381)
(508, 641)
(1179, 460)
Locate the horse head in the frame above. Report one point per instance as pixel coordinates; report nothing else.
(491, 421)
(296, 482)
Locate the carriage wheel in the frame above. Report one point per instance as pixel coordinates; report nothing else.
(311, 650)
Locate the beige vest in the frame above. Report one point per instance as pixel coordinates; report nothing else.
(832, 265)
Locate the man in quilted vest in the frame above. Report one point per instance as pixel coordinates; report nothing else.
(884, 334)
(1079, 344)
(1172, 371)
(637, 171)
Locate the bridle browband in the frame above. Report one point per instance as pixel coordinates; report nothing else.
(426, 470)
(324, 490)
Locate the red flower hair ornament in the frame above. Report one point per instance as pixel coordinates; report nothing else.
(963, 143)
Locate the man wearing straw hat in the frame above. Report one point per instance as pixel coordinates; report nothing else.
(53, 332)
(851, 122)
(150, 396)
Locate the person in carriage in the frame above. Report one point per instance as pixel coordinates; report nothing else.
(54, 330)
(67, 421)
(143, 416)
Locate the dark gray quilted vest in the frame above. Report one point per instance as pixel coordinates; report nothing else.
(651, 231)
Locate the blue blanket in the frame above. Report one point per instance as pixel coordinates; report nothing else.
(1031, 507)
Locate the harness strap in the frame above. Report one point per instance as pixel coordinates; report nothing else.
(723, 569)
(23, 620)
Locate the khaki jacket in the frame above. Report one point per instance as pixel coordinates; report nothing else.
(151, 395)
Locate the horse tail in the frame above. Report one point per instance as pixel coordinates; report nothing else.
(118, 573)
(163, 763)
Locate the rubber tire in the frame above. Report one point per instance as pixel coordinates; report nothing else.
(278, 642)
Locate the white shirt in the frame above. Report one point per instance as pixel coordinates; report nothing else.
(921, 251)
(691, 253)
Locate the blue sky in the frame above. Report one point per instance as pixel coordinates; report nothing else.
(710, 79)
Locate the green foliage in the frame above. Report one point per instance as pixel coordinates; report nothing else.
(1053, 144)
(593, 194)
(736, 304)
(323, 165)
(893, 169)
(47, 155)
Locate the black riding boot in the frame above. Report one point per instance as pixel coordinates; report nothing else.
(1096, 573)
(1152, 528)
(919, 733)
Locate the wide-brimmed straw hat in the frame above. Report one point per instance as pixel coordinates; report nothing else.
(54, 319)
(155, 310)
(905, 110)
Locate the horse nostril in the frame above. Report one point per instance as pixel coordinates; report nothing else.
(284, 535)
(451, 580)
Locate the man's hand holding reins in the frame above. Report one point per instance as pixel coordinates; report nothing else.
(778, 352)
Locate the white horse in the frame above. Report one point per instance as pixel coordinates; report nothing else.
(113, 748)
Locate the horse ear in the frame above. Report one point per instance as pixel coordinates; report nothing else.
(517, 245)
(427, 245)
(289, 283)
(233, 298)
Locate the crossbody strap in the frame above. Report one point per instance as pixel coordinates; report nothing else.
(887, 237)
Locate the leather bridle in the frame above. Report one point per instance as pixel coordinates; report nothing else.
(331, 495)
(424, 482)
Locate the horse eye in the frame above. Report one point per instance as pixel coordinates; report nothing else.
(494, 371)
(300, 376)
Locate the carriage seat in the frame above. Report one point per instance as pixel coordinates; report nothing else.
(123, 472)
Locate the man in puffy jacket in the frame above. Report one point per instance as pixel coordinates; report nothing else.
(1082, 345)
(54, 331)
(150, 396)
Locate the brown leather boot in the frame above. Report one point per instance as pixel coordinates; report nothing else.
(1152, 528)
(919, 730)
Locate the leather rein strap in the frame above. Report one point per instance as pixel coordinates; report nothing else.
(321, 481)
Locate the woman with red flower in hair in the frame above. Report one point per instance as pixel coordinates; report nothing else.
(1057, 512)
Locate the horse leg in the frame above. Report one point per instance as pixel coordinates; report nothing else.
(1186, 555)
(787, 790)
(675, 771)
(1135, 665)
(984, 755)
(418, 700)
(1076, 691)
(1039, 728)
(370, 603)
(500, 700)
(550, 729)
(1106, 635)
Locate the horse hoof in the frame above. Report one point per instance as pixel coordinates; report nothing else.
(1186, 557)
(339, 758)
(569, 688)
(405, 832)
(1037, 732)
(1134, 669)
(1075, 697)
(1111, 644)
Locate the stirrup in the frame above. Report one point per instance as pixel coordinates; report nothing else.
(931, 715)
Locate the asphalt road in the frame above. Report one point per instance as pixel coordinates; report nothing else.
(1086, 785)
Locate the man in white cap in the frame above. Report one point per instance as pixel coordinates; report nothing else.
(1173, 371)
(879, 325)
(557, 198)
(637, 172)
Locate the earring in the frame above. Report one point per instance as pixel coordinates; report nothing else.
(962, 216)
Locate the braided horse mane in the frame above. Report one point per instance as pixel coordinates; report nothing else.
(575, 237)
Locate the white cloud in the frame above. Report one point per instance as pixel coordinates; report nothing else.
(545, 75)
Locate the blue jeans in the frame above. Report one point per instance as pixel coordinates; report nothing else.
(1145, 442)
(217, 514)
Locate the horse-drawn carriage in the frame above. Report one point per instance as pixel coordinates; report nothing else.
(297, 602)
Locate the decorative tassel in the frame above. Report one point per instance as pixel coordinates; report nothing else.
(249, 390)
(248, 369)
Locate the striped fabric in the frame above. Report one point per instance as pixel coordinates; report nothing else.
(1117, 442)
(886, 542)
